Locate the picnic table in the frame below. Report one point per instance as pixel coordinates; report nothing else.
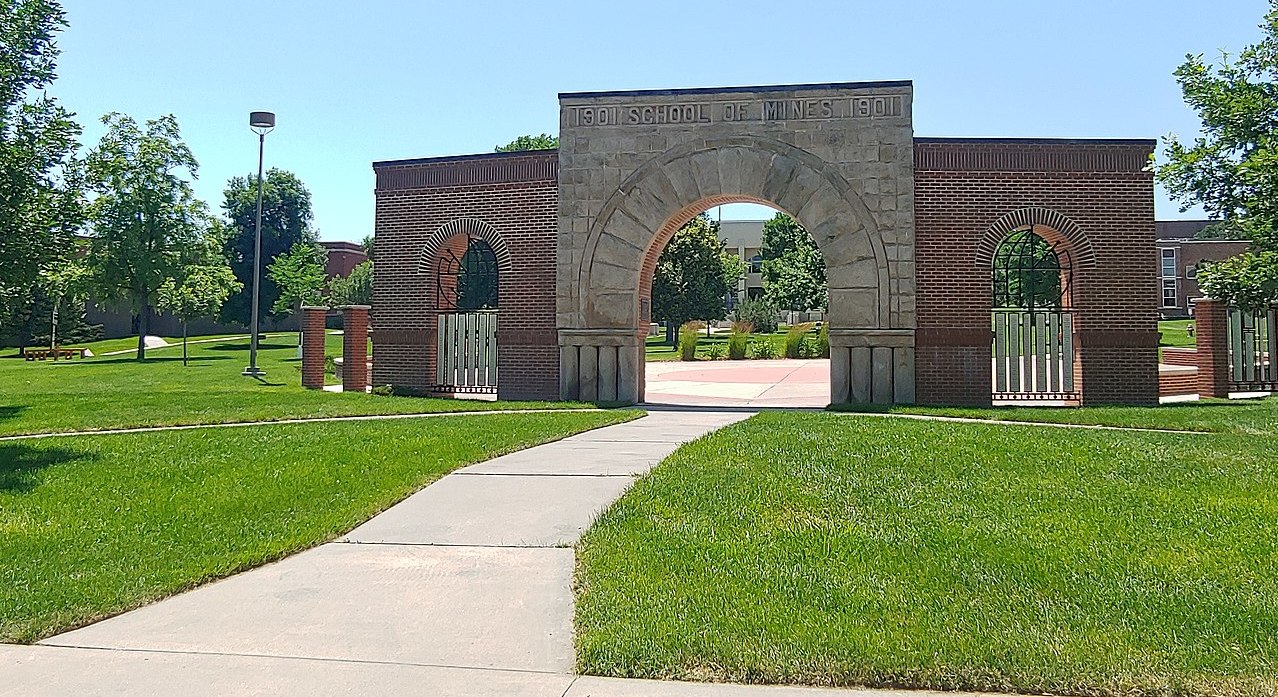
(59, 353)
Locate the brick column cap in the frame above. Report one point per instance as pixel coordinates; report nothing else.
(353, 307)
(315, 307)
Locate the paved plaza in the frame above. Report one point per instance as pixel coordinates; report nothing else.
(753, 384)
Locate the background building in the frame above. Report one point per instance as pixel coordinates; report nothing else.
(744, 239)
(1179, 256)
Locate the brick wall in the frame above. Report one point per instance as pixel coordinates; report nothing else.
(515, 193)
(964, 186)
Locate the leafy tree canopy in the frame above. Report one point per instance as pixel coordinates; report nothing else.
(793, 268)
(1231, 168)
(694, 275)
(204, 282)
(299, 276)
(543, 141)
(356, 288)
(145, 218)
(41, 206)
(286, 221)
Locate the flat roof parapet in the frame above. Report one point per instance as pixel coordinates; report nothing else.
(882, 84)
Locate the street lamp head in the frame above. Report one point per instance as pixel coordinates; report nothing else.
(263, 120)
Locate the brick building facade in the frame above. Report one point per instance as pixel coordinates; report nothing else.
(943, 214)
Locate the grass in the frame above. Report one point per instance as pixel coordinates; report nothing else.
(1176, 333)
(119, 392)
(1243, 416)
(94, 525)
(656, 348)
(851, 550)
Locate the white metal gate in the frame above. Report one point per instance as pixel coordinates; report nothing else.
(1034, 355)
(466, 352)
(1253, 346)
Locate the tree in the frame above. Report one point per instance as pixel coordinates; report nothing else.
(694, 276)
(367, 244)
(299, 276)
(544, 141)
(145, 217)
(1231, 168)
(793, 268)
(286, 221)
(65, 281)
(204, 282)
(355, 289)
(41, 206)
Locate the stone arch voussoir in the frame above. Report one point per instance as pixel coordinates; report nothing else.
(666, 191)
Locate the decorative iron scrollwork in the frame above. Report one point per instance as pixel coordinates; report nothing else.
(467, 283)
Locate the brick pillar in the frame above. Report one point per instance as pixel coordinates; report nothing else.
(1211, 334)
(354, 348)
(313, 347)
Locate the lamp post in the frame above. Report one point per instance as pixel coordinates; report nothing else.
(261, 122)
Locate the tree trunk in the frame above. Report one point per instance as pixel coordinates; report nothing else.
(184, 363)
(144, 325)
(672, 335)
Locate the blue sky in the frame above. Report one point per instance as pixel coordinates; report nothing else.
(354, 82)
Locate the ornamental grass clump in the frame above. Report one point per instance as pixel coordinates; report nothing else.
(795, 337)
(762, 348)
(689, 335)
(739, 340)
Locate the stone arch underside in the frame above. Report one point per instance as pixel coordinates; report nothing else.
(871, 316)
(668, 190)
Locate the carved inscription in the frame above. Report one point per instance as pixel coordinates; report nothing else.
(867, 107)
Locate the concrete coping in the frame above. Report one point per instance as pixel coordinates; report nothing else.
(316, 307)
(353, 307)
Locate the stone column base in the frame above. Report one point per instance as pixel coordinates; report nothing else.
(601, 365)
(872, 366)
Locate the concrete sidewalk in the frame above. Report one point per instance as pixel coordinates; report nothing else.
(464, 588)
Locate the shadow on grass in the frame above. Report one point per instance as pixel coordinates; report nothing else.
(244, 346)
(20, 464)
(159, 359)
(9, 412)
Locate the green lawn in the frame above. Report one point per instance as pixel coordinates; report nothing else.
(118, 391)
(1244, 416)
(657, 349)
(858, 550)
(94, 525)
(1176, 333)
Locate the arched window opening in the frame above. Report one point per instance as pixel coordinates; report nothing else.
(469, 282)
(466, 295)
(1034, 343)
(1030, 273)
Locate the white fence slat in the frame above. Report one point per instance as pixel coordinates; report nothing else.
(1271, 344)
(1000, 352)
(1067, 351)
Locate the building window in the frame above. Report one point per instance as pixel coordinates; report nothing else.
(1169, 263)
(754, 293)
(1169, 293)
(756, 264)
(1191, 272)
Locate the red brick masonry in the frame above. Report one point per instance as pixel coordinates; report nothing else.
(354, 348)
(1211, 333)
(313, 347)
(1095, 196)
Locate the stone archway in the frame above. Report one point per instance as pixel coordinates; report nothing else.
(849, 184)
